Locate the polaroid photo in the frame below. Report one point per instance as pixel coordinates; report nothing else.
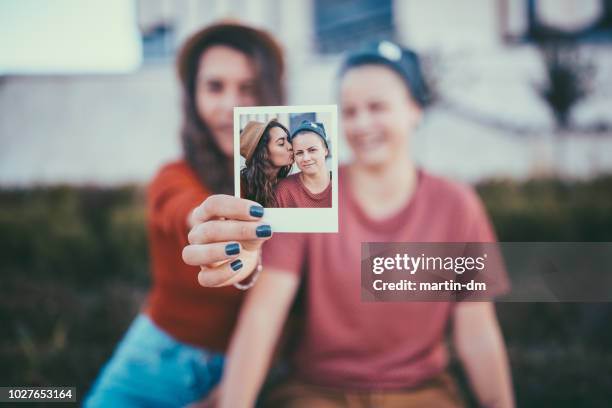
(286, 159)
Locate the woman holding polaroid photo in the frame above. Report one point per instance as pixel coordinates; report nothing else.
(362, 354)
(268, 158)
(311, 187)
(173, 352)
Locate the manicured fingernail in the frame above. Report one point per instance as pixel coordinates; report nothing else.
(263, 231)
(256, 211)
(232, 249)
(237, 264)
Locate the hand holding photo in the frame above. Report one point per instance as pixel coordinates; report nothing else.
(285, 159)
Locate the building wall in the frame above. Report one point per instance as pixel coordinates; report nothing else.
(119, 128)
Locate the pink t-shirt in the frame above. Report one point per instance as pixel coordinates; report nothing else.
(292, 193)
(351, 344)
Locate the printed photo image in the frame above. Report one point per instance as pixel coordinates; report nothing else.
(285, 156)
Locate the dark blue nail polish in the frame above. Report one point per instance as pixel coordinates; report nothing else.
(263, 231)
(237, 264)
(256, 211)
(232, 249)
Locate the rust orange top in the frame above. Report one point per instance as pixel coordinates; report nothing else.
(177, 303)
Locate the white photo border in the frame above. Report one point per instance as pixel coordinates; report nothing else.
(296, 219)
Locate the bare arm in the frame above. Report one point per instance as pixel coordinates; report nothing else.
(482, 351)
(259, 326)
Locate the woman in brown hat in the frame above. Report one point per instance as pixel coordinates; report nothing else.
(173, 353)
(268, 158)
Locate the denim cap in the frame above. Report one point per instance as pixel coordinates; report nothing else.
(401, 60)
(316, 127)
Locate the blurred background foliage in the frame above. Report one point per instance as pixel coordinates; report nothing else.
(74, 273)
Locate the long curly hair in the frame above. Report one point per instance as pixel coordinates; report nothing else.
(200, 149)
(257, 176)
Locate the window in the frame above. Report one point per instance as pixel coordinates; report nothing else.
(296, 118)
(156, 20)
(158, 42)
(342, 25)
(540, 20)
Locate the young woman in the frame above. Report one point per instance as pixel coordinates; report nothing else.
(268, 157)
(173, 352)
(372, 354)
(311, 187)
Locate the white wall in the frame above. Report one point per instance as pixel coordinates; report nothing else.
(113, 129)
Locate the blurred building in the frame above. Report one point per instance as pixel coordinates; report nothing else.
(480, 54)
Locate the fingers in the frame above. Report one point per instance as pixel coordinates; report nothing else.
(226, 206)
(210, 253)
(226, 234)
(228, 230)
(224, 274)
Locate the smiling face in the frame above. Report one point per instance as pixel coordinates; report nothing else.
(280, 151)
(310, 152)
(378, 113)
(225, 79)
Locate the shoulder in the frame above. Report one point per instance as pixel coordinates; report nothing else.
(459, 205)
(458, 196)
(286, 189)
(174, 174)
(172, 170)
(288, 182)
(452, 192)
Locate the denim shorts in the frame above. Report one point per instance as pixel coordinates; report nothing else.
(149, 368)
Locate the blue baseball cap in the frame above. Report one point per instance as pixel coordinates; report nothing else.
(306, 125)
(401, 60)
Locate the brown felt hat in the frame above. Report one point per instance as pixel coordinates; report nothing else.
(250, 137)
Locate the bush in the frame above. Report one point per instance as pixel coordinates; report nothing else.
(548, 210)
(74, 273)
(79, 236)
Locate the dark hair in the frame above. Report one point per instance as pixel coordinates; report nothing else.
(200, 149)
(256, 176)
